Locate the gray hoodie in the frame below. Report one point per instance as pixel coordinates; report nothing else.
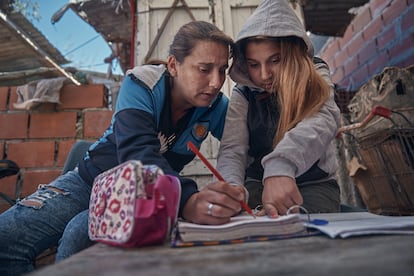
(309, 143)
(273, 19)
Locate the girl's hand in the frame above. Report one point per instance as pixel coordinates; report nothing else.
(214, 204)
(279, 194)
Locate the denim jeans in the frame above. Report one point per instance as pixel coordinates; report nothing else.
(56, 214)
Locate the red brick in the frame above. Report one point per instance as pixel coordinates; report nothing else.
(386, 37)
(4, 95)
(83, 96)
(393, 11)
(52, 125)
(331, 64)
(4, 206)
(331, 50)
(378, 6)
(46, 107)
(403, 46)
(13, 98)
(96, 122)
(32, 154)
(2, 156)
(13, 125)
(368, 51)
(32, 179)
(407, 20)
(355, 44)
(64, 148)
(362, 19)
(350, 66)
(338, 75)
(341, 57)
(372, 30)
(378, 63)
(360, 76)
(348, 35)
(409, 61)
(8, 186)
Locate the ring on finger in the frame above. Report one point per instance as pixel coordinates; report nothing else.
(210, 209)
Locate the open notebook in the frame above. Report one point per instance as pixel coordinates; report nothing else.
(241, 228)
(345, 225)
(245, 228)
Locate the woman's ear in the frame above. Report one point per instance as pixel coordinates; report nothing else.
(172, 65)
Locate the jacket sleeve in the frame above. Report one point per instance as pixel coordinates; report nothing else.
(232, 157)
(135, 128)
(136, 133)
(303, 145)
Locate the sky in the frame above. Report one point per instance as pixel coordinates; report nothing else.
(76, 40)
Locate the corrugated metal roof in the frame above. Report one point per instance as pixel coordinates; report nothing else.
(24, 48)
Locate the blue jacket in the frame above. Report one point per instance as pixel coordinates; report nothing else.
(141, 129)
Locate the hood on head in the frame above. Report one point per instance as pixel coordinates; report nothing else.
(273, 18)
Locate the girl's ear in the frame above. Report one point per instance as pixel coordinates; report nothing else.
(172, 65)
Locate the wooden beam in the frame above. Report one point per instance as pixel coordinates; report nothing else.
(164, 23)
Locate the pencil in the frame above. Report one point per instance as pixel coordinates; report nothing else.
(194, 149)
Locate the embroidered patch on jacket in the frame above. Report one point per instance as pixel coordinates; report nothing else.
(200, 130)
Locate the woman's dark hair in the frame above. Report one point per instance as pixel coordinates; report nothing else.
(191, 33)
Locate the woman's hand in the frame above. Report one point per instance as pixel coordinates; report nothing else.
(214, 204)
(279, 194)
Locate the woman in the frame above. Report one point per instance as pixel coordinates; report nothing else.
(282, 117)
(159, 109)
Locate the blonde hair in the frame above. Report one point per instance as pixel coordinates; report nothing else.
(301, 90)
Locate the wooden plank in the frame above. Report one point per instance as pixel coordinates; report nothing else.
(155, 34)
(317, 255)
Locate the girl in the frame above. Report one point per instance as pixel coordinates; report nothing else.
(282, 117)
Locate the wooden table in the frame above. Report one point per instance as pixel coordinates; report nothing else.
(316, 255)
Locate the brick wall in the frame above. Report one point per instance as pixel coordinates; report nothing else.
(380, 35)
(40, 140)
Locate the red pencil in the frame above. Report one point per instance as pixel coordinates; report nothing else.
(194, 149)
